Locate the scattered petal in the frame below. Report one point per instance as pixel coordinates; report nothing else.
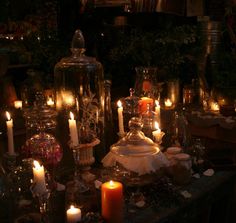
(196, 175)
(208, 172)
(186, 194)
(140, 204)
(97, 184)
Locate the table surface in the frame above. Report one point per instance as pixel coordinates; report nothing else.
(205, 192)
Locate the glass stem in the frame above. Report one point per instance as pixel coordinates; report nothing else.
(76, 159)
(43, 208)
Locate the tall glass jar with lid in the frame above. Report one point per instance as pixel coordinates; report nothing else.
(79, 85)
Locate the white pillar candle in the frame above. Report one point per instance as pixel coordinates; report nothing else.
(73, 130)
(39, 178)
(120, 118)
(18, 104)
(158, 134)
(73, 214)
(9, 123)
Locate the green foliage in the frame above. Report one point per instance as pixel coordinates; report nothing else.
(165, 49)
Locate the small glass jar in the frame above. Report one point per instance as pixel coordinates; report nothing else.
(182, 169)
(39, 117)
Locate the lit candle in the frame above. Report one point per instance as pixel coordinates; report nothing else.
(18, 104)
(112, 202)
(73, 214)
(39, 178)
(50, 102)
(73, 130)
(158, 134)
(168, 103)
(214, 106)
(158, 111)
(120, 118)
(143, 104)
(9, 123)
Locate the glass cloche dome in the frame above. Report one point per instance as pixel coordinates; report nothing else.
(135, 152)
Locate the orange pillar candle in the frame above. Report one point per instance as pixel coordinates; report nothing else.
(112, 202)
(143, 104)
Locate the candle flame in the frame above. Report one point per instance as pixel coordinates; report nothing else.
(168, 102)
(157, 103)
(72, 116)
(72, 207)
(36, 164)
(119, 104)
(50, 102)
(8, 116)
(156, 124)
(215, 106)
(111, 183)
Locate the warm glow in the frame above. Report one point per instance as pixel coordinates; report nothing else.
(68, 98)
(8, 116)
(72, 116)
(214, 106)
(73, 210)
(72, 207)
(36, 164)
(50, 102)
(18, 104)
(157, 103)
(111, 183)
(156, 126)
(168, 102)
(119, 104)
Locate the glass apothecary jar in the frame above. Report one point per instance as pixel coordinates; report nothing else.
(135, 155)
(79, 86)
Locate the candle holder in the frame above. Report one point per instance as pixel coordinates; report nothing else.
(158, 137)
(43, 201)
(78, 181)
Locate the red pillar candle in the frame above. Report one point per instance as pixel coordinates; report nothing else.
(112, 202)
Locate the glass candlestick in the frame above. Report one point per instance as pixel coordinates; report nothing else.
(43, 201)
(78, 181)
